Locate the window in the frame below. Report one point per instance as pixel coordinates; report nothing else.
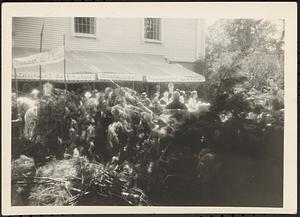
(152, 29)
(85, 26)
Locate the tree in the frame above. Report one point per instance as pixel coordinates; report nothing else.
(244, 48)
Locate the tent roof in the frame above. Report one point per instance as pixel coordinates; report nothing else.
(104, 66)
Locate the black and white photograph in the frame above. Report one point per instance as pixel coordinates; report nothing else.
(147, 111)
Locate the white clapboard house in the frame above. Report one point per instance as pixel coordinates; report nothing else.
(151, 50)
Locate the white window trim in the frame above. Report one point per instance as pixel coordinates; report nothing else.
(84, 35)
(146, 40)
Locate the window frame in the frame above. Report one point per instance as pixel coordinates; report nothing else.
(84, 35)
(155, 41)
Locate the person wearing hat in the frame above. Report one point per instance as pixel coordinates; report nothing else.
(34, 94)
(145, 100)
(176, 104)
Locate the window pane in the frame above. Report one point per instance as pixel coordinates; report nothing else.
(147, 28)
(155, 30)
(152, 28)
(76, 24)
(157, 33)
(159, 29)
(92, 29)
(88, 28)
(85, 25)
(80, 20)
(92, 23)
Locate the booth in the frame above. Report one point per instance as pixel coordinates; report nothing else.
(96, 67)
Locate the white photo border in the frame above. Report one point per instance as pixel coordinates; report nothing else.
(267, 10)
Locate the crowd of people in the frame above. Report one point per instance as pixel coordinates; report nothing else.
(104, 125)
(172, 99)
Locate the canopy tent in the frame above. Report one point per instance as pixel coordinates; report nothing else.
(89, 66)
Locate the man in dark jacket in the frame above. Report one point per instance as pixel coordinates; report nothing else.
(176, 104)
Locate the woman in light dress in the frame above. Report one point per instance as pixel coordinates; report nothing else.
(193, 102)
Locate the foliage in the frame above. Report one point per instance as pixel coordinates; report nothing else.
(176, 158)
(244, 48)
(172, 158)
(247, 103)
(247, 35)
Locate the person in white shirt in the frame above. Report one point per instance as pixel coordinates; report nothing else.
(182, 96)
(30, 119)
(165, 99)
(171, 90)
(193, 101)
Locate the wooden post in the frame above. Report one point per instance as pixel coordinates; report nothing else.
(94, 83)
(133, 85)
(65, 80)
(41, 48)
(16, 82)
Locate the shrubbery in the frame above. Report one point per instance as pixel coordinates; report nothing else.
(231, 154)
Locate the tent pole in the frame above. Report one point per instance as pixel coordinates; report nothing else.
(94, 83)
(159, 91)
(65, 80)
(16, 82)
(41, 47)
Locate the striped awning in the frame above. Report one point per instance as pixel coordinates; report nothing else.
(87, 66)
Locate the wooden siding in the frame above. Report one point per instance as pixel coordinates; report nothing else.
(28, 30)
(122, 35)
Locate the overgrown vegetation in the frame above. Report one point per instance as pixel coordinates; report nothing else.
(231, 154)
